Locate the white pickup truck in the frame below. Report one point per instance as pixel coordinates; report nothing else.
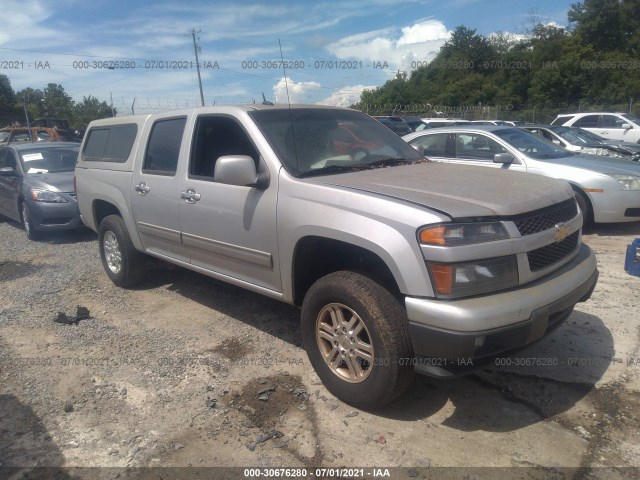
(398, 264)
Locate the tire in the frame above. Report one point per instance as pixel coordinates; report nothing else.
(122, 262)
(27, 223)
(585, 208)
(355, 311)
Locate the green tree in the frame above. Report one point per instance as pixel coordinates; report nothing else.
(33, 100)
(56, 102)
(7, 95)
(90, 109)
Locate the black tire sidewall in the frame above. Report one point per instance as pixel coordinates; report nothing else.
(373, 391)
(27, 223)
(129, 273)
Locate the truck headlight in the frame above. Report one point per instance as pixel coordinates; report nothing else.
(463, 279)
(628, 182)
(45, 196)
(454, 234)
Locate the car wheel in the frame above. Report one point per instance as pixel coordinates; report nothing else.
(356, 336)
(122, 262)
(585, 208)
(27, 223)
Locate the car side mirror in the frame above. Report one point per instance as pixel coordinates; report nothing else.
(503, 158)
(239, 170)
(8, 172)
(626, 126)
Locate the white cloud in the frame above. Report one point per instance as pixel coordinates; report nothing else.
(298, 92)
(416, 43)
(346, 96)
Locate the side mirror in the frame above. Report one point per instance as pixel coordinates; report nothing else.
(8, 172)
(239, 170)
(419, 148)
(626, 126)
(503, 158)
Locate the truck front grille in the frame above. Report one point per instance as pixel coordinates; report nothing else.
(546, 218)
(550, 254)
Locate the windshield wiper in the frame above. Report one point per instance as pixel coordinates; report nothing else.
(385, 162)
(328, 170)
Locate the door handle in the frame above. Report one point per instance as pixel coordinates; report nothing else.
(190, 196)
(142, 188)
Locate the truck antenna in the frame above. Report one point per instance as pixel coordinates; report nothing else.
(286, 84)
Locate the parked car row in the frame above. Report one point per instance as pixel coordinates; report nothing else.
(36, 177)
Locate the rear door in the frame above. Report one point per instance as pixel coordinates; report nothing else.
(155, 190)
(434, 145)
(228, 229)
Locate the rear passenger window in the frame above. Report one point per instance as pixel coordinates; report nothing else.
(433, 145)
(588, 121)
(164, 146)
(110, 144)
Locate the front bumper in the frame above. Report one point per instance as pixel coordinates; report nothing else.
(55, 216)
(449, 337)
(615, 206)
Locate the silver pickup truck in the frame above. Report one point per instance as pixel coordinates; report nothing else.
(399, 265)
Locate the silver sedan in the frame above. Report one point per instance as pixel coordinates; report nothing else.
(607, 189)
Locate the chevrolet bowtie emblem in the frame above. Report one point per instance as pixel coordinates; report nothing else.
(561, 232)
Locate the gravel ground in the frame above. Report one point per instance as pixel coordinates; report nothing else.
(187, 371)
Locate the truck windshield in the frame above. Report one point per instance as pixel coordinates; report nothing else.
(319, 141)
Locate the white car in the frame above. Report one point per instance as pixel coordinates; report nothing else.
(607, 189)
(611, 126)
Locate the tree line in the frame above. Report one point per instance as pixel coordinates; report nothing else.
(592, 63)
(50, 102)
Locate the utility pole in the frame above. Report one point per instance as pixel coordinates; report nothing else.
(195, 50)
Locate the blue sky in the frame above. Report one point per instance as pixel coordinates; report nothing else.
(333, 49)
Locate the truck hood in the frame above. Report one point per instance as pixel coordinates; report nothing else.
(459, 191)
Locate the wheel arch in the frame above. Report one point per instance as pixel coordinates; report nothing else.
(315, 257)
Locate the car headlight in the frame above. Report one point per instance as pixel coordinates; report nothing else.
(454, 234)
(45, 196)
(628, 182)
(463, 279)
(595, 151)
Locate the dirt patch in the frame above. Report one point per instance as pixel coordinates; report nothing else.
(233, 349)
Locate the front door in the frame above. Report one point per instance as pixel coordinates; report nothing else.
(228, 229)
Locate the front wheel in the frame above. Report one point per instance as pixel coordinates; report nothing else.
(356, 336)
(27, 223)
(122, 262)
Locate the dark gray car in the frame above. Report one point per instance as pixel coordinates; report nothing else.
(36, 186)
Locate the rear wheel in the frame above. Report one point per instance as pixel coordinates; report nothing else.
(356, 336)
(122, 262)
(27, 223)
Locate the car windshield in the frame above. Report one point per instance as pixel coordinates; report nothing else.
(49, 160)
(317, 141)
(531, 144)
(575, 136)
